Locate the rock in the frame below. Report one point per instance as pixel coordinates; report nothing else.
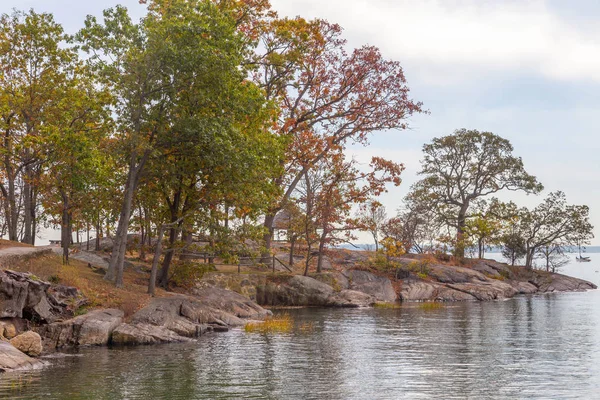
(25, 296)
(8, 329)
(351, 298)
(230, 302)
(413, 290)
(167, 313)
(335, 279)
(377, 286)
(326, 264)
(139, 334)
(296, 290)
(29, 343)
(93, 328)
(486, 290)
(547, 282)
(523, 287)
(12, 359)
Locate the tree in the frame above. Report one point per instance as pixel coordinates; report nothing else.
(513, 247)
(371, 218)
(37, 67)
(484, 227)
(177, 65)
(327, 96)
(465, 166)
(553, 221)
(553, 256)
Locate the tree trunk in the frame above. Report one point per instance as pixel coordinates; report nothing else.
(157, 252)
(27, 208)
(460, 231)
(322, 250)
(292, 243)
(115, 267)
(65, 234)
(268, 235)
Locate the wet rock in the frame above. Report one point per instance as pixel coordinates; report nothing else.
(29, 343)
(380, 287)
(12, 359)
(140, 334)
(93, 328)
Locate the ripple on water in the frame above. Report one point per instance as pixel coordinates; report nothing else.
(529, 347)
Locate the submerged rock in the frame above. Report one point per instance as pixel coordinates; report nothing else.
(93, 328)
(29, 343)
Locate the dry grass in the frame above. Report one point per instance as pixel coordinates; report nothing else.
(282, 323)
(4, 244)
(100, 293)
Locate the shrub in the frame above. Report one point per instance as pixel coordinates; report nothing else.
(276, 324)
(186, 274)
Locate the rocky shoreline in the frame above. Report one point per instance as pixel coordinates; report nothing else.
(38, 317)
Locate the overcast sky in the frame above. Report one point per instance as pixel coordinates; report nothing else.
(526, 70)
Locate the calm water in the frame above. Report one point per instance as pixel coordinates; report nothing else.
(540, 347)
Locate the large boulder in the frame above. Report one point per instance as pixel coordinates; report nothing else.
(24, 295)
(139, 334)
(12, 359)
(377, 286)
(29, 343)
(93, 328)
(351, 298)
(296, 290)
(418, 290)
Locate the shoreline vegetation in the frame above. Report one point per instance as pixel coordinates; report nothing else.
(202, 152)
(49, 307)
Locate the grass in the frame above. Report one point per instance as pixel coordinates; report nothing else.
(100, 293)
(282, 323)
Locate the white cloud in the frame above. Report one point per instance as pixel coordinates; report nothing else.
(453, 36)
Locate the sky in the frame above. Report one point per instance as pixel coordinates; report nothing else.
(528, 71)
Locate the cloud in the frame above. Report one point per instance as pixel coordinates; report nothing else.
(449, 38)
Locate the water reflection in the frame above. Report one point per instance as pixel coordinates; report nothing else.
(529, 347)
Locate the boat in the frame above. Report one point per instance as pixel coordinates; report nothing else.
(582, 258)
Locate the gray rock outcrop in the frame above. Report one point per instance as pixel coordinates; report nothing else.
(141, 334)
(377, 286)
(23, 295)
(93, 328)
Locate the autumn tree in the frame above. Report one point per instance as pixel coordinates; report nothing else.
(174, 74)
(458, 169)
(371, 217)
(37, 68)
(327, 96)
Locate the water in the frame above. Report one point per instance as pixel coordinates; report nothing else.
(538, 347)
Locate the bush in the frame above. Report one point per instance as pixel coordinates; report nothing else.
(186, 274)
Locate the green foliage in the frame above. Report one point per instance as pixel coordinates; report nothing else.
(187, 274)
